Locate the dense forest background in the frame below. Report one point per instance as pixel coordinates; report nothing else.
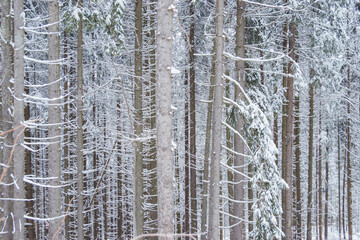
(180, 119)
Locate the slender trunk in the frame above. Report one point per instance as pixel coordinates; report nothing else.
(186, 224)
(343, 195)
(320, 176)
(138, 126)
(95, 158)
(164, 118)
(19, 164)
(193, 167)
(152, 164)
(339, 176)
(326, 214)
(214, 199)
(239, 145)
(310, 163)
(187, 163)
(205, 180)
(284, 120)
(287, 162)
(348, 164)
(7, 119)
(79, 132)
(297, 167)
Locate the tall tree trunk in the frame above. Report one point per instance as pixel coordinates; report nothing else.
(7, 120)
(284, 117)
(54, 119)
(288, 162)
(320, 174)
(310, 163)
(79, 132)
(339, 176)
(192, 136)
(164, 118)
(205, 200)
(152, 165)
(297, 167)
(19, 154)
(239, 145)
(214, 199)
(138, 126)
(326, 214)
(186, 155)
(348, 163)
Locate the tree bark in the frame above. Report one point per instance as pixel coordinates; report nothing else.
(54, 119)
(164, 118)
(320, 175)
(348, 163)
(326, 214)
(192, 136)
(138, 125)
(288, 162)
(297, 168)
(310, 163)
(7, 119)
(214, 199)
(19, 154)
(80, 124)
(239, 145)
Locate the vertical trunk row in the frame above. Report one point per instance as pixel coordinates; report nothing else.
(7, 120)
(193, 167)
(79, 133)
(214, 199)
(138, 127)
(54, 119)
(164, 118)
(239, 146)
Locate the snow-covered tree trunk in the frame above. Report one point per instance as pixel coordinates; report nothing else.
(7, 120)
(214, 198)
(138, 125)
(54, 120)
(79, 130)
(164, 118)
(19, 164)
(239, 145)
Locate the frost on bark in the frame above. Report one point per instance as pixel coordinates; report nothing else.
(7, 120)
(164, 118)
(138, 127)
(54, 120)
(79, 131)
(19, 165)
(214, 198)
(239, 229)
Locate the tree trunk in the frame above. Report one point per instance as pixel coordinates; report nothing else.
(310, 163)
(339, 176)
(138, 126)
(287, 162)
(152, 164)
(326, 187)
(186, 155)
(205, 200)
(348, 163)
(297, 168)
(214, 198)
(320, 175)
(193, 167)
(54, 119)
(239, 145)
(19, 154)
(164, 118)
(7, 120)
